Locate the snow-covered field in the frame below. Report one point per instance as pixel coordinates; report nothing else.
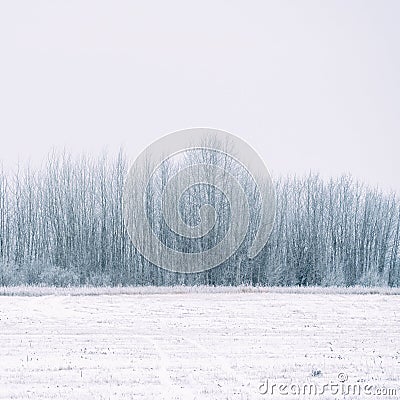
(199, 345)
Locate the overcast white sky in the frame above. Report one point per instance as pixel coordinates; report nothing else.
(312, 85)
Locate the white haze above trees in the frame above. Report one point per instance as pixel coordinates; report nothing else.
(62, 225)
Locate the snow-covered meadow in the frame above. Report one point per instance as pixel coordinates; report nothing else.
(196, 344)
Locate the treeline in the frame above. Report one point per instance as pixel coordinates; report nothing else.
(62, 225)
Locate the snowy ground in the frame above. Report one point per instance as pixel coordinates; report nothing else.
(193, 345)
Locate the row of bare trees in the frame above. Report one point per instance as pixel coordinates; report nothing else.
(62, 225)
(337, 232)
